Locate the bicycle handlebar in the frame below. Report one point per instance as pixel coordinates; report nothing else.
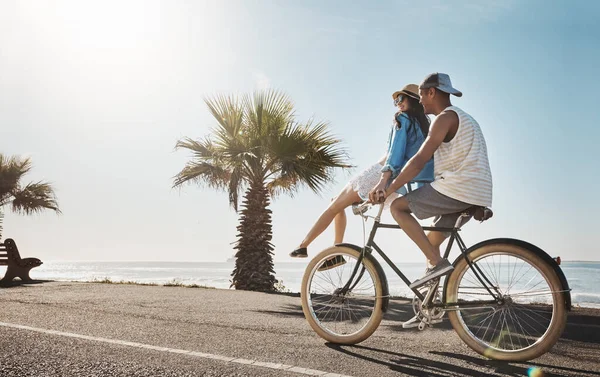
(360, 208)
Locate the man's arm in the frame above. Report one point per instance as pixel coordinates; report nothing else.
(438, 131)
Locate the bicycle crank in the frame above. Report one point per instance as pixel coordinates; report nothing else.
(432, 314)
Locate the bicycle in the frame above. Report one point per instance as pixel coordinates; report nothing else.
(506, 298)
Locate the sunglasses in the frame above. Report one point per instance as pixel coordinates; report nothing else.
(399, 99)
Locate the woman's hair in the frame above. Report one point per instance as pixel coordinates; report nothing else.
(417, 113)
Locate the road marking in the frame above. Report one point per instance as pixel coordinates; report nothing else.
(254, 363)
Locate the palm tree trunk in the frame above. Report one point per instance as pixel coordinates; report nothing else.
(254, 257)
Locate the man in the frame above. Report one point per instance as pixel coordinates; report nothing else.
(461, 169)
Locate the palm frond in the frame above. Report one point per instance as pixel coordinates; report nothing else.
(231, 135)
(307, 154)
(228, 112)
(12, 169)
(202, 173)
(235, 186)
(267, 113)
(201, 149)
(33, 198)
(283, 184)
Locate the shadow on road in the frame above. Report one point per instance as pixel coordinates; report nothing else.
(582, 323)
(499, 364)
(285, 311)
(19, 283)
(421, 367)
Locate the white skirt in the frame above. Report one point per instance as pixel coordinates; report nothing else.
(364, 182)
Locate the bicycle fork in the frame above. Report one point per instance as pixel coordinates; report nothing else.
(349, 286)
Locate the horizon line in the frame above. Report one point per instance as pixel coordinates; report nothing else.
(224, 261)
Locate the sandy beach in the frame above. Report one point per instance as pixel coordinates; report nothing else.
(92, 329)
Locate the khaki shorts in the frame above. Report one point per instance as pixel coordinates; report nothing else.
(426, 202)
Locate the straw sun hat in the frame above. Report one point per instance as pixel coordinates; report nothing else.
(410, 90)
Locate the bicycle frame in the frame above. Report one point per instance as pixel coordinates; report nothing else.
(427, 304)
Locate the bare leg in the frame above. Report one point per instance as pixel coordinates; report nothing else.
(413, 229)
(343, 200)
(436, 239)
(339, 226)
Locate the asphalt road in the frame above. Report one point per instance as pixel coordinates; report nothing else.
(88, 329)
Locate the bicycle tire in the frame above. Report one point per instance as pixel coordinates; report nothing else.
(557, 312)
(308, 304)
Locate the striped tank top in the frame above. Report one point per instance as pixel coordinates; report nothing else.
(461, 166)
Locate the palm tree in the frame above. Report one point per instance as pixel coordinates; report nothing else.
(28, 199)
(259, 148)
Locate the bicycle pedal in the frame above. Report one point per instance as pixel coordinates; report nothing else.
(425, 323)
(411, 323)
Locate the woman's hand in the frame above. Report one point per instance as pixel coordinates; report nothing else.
(378, 194)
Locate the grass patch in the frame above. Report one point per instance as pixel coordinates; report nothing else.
(110, 281)
(171, 283)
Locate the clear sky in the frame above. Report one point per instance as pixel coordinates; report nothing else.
(97, 94)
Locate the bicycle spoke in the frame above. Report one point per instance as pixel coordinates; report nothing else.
(512, 280)
(518, 337)
(491, 270)
(535, 293)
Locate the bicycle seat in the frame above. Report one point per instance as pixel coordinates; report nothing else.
(480, 213)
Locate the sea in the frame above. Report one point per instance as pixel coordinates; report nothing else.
(583, 277)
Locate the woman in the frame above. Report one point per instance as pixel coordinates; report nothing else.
(408, 132)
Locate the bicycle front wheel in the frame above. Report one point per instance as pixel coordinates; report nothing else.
(337, 316)
(530, 314)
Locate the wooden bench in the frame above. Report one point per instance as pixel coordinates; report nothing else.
(17, 267)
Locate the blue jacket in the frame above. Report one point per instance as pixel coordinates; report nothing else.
(403, 143)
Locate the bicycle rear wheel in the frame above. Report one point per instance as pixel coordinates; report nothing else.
(531, 314)
(342, 318)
